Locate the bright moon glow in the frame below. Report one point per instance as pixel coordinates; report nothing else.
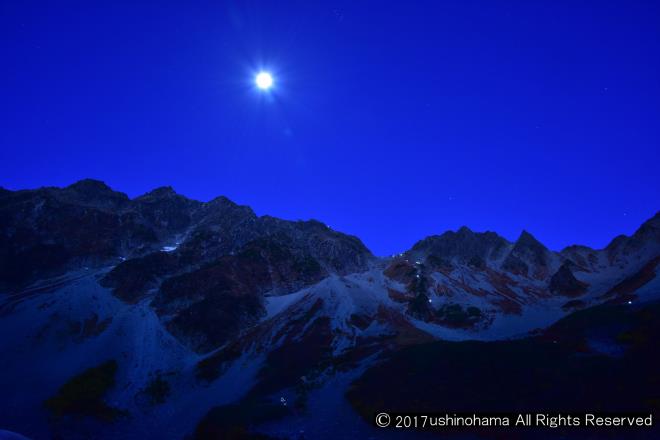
(264, 80)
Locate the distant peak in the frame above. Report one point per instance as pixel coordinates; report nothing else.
(164, 190)
(527, 238)
(91, 192)
(221, 200)
(649, 231)
(528, 243)
(222, 203)
(525, 235)
(160, 192)
(463, 230)
(313, 222)
(90, 185)
(653, 221)
(576, 248)
(88, 189)
(617, 241)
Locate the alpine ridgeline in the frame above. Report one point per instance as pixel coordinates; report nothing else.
(204, 310)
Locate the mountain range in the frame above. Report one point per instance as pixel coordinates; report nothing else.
(165, 317)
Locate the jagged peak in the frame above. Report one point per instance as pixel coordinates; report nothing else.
(527, 251)
(564, 282)
(221, 200)
(159, 193)
(647, 233)
(90, 185)
(463, 232)
(576, 248)
(223, 203)
(464, 244)
(91, 191)
(526, 235)
(650, 224)
(311, 224)
(314, 224)
(570, 265)
(526, 240)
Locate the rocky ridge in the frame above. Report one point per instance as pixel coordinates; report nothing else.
(201, 295)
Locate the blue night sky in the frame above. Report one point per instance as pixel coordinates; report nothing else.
(388, 120)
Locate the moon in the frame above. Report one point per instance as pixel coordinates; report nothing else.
(264, 80)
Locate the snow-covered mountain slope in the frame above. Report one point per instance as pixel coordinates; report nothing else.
(211, 311)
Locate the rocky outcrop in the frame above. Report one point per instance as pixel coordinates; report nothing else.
(461, 246)
(206, 267)
(193, 307)
(645, 241)
(563, 282)
(134, 278)
(208, 306)
(626, 288)
(48, 231)
(528, 257)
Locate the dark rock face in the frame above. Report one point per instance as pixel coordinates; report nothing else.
(582, 257)
(206, 266)
(168, 212)
(564, 282)
(208, 270)
(528, 257)
(481, 250)
(48, 231)
(217, 258)
(456, 316)
(208, 306)
(418, 307)
(630, 284)
(336, 252)
(132, 279)
(463, 245)
(91, 193)
(647, 237)
(401, 271)
(220, 228)
(84, 394)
